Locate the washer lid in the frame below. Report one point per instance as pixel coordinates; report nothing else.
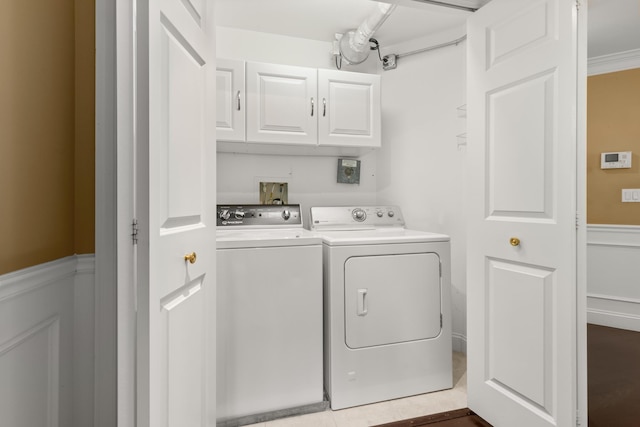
(380, 236)
(252, 238)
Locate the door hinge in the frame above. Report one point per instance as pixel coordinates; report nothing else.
(578, 4)
(577, 220)
(578, 419)
(134, 231)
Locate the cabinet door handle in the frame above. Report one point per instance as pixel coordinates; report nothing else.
(324, 107)
(312, 106)
(238, 98)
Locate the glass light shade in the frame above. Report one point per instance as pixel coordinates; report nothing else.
(349, 53)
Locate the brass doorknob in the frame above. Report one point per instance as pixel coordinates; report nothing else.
(191, 257)
(514, 241)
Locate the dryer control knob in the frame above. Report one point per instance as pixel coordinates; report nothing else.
(224, 214)
(239, 214)
(359, 215)
(391, 214)
(286, 214)
(380, 214)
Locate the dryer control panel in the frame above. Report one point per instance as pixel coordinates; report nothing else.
(259, 216)
(356, 217)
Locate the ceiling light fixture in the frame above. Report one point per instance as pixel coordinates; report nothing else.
(354, 46)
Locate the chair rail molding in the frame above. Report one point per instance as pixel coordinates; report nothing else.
(46, 343)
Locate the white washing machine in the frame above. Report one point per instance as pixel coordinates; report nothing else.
(387, 316)
(269, 315)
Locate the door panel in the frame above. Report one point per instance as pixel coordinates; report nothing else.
(391, 299)
(185, 341)
(533, 25)
(520, 148)
(519, 337)
(182, 103)
(521, 289)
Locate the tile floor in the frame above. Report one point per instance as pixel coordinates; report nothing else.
(392, 410)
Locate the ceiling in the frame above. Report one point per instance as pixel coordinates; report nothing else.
(614, 25)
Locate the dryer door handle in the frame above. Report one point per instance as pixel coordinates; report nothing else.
(362, 302)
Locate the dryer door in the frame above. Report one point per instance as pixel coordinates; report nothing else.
(391, 299)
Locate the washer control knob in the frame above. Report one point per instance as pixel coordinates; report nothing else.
(286, 214)
(380, 214)
(359, 215)
(239, 214)
(224, 214)
(391, 214)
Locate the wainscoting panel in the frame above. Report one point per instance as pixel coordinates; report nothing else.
(613, 276)
(44, 368)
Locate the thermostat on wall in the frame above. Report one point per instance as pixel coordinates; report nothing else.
(615, 160)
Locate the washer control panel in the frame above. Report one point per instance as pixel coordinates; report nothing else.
(258, 215)
(354, 217)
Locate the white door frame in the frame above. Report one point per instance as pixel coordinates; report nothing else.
(114, 397)
(581, 220)
(114, 302)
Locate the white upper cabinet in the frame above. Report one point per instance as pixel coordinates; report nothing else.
(349, 109)
(230, 100)
(282, 104)
(276, 107)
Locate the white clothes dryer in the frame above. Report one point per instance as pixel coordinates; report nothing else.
(387, 316)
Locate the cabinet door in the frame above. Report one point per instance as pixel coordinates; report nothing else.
(282, 104)
(230, 100)
(349, 109)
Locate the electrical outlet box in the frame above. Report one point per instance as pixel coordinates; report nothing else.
(274, 193)
(349, 171)
(389, 62)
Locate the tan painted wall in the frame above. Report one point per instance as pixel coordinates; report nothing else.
(613, 124)
(85, 126)
(46, 209)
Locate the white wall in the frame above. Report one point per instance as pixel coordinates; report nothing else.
(312, 180)
(420, 167)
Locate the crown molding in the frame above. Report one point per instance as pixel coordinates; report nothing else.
(615, 62)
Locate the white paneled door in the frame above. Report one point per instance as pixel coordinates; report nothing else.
(175, 146)
(522, 268)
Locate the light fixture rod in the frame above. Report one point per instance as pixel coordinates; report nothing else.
(427, 49)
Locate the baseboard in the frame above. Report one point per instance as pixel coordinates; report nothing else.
(459, 343)
(613, 312)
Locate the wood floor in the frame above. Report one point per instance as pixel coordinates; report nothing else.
(457, 418)
(614, 377)
(614, 385)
